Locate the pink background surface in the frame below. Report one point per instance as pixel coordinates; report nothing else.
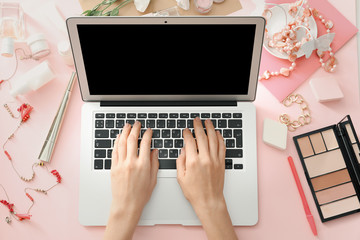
(55, 216)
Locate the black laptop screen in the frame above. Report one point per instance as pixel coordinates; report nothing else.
(167, 59)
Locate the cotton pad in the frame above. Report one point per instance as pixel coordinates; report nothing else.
(326, 89)
(275, 134)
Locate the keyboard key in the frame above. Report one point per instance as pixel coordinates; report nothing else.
(99, 123)
(170, 123)
(230, 143)
(179, 143)
(103, 143)
(222, 123)
(160, 123)
(163, 153)
(109, 123)
(130, 121)
(101, 133)
(173, 153)
(120, 115)
(168, 143)
(167, 163)
(99, 115)
(150, 123)
(226, 115)
(234, 153)
(109, 153)
(205, 115)
(235, 123)
(190, 123)
(237, 133)
(228, 163)
(107, 163)
(174, 115)
(238, 166)
(181, 123)
(142, 121)
(98, 164)
(110, 115)
(176, 133)
(237, 115)
(100, 153)
(165, 133)
(228, 166)
(114, 133)
(156, 133)
(163, 115)
(142, 115)
(227, 133)
(239, 142)
(215, 115)
(152, 115)
(120, 123)
(131, 115)
(194, 115)
(158, 143)
(184, 115)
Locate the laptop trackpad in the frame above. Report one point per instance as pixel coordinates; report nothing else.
(168, 205)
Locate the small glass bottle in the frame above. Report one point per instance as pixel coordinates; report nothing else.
(12, 21)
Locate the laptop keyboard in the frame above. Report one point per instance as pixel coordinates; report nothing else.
(167, 135)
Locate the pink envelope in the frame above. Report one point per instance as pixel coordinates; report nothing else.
(281, 86)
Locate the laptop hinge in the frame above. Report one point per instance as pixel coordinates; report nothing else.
(165, 103)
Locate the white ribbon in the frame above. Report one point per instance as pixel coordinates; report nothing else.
(322, 43)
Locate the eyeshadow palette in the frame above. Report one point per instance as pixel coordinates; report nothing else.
(331, 161)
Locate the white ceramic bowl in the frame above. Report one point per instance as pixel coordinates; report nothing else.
(277, 22)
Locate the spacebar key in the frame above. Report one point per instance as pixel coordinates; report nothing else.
(167, 163)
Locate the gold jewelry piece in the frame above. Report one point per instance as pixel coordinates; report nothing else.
(303, 119)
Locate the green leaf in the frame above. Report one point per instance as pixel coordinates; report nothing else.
(114, 12)
(95, 13)
(86, 13)
(110, 1)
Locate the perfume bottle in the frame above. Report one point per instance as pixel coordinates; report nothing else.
(12, 21)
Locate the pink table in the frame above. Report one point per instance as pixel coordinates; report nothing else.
(55, 216)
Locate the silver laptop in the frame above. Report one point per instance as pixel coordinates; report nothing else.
(163, 72)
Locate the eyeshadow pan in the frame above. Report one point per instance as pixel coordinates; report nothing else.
(357, 151)
(331, 179)
(305, 146)
(330, 139)
(340, 207)
(324, 163)
(335, 193)
(350, 132)
(318, 143)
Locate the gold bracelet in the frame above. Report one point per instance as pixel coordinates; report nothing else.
(303, 119)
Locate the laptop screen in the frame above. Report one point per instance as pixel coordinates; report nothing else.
(167, 59)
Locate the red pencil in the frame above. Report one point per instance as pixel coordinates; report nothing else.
(309, 216)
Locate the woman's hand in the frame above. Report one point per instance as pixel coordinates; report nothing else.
(133, 178)
(200, 173)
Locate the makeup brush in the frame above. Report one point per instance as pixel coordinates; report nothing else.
(48, 147)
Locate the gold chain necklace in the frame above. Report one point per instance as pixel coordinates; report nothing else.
(303, 119)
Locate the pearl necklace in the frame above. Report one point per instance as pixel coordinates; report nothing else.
(286, 41)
